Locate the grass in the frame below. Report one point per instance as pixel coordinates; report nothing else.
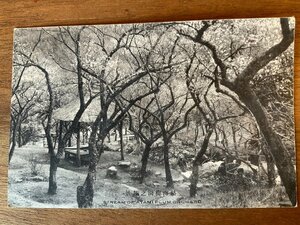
(34, 194)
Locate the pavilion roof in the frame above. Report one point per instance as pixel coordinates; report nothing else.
(68, 111)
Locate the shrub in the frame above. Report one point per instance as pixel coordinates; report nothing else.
(35, 165)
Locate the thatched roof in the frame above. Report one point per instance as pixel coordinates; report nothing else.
(68, 112)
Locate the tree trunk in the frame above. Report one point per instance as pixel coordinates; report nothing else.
(85, 193)
(144, 162)
(197, 161)
(59, 141)
(52, 176)
(270, 171)
(70, 142)
(169, 179)
(121, 139)
(196, 134)
(270, 166)
(116, 135)
(53, 165)
(20, 135)
(13, 143)
(279, 152)
(108, 137)
(78, 161)
(194, 179)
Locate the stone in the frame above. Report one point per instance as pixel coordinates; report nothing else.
(178, 179)
(200, 186)
(124, 164)
(37, 178)
(18, 180)
(157, 173)
(186, 175)
(111, 172)
(156, 184)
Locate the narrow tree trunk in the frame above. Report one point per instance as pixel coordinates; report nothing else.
(121, 140)
(169, 179)
(11, 151)
(20, 135)
(61, 123)
(13, 143)
(279, 152)
(53, 166)
(144, 162)
(70, 141)
(85, 193)
(196, 134)
(197, 161)
(52, 176)
(194, 179)
(271, 172)
(78, 161)
(108, 137)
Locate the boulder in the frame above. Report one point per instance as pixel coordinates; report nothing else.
(178, 178)
(156, 184)
(186, 175)
(18, 180)
(111, 172)
(124, 164)
(157, 173)
(37, 178)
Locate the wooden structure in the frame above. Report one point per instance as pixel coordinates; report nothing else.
(78, 153)
(67, 113)
(72, 154)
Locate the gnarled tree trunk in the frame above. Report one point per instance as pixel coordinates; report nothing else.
(13, 140)
(85, 193)
(197, 161)
(121, 140)
(52, 176)
(169, 179)
(279, 152)
(144, 162)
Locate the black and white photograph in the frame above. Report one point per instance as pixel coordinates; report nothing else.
(184, 114)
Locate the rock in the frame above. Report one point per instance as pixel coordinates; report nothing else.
(37, 178)
(184, 186)
(210, 166)
(129, 148)
(111, 172)
(178, 179)
(186, 175)
(278, 181)
(18, 180)
(124, 164)
(112, 168)
(156, 184)
(157, 173)
(247, 169)
(207, 185)
(200, 186)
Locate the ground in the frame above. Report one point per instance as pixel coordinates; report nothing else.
(28, 184)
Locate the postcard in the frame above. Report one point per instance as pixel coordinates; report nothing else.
(182, 114)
